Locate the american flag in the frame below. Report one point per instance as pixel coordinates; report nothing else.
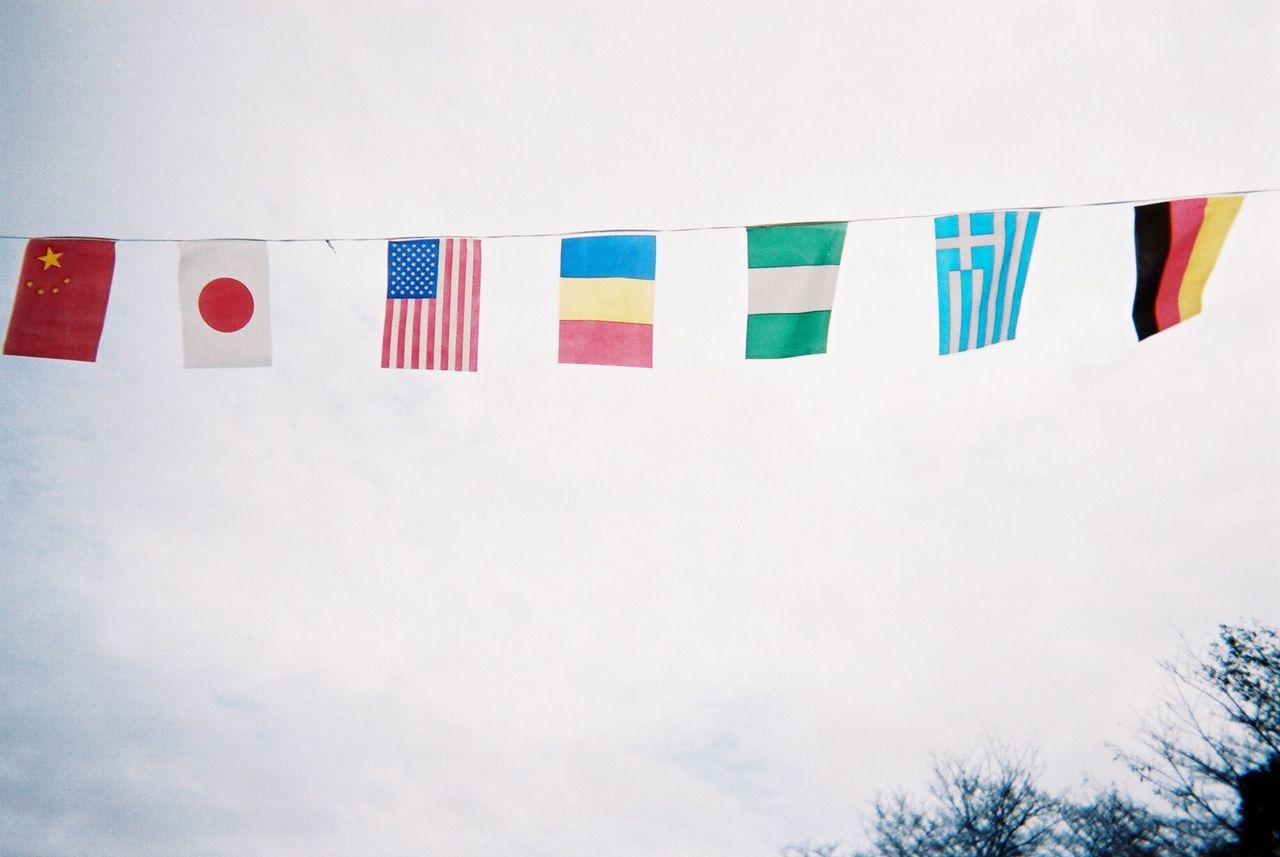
(433, 304)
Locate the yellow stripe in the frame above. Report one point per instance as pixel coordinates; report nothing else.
(606, 299)
(1219, 212)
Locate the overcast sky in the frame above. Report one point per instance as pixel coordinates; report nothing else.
(705, 609)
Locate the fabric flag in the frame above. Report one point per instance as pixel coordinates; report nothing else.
(791, 286)
(61, 299)
(606, 299)
(432, 318)
(982, 269)
(222, 289)
(1177, 244)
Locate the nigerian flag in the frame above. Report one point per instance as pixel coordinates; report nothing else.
(791, 285)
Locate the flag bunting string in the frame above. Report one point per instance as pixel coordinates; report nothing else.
(608, 285)
(651, 230)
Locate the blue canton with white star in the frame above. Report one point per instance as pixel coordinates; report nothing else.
(413, 268)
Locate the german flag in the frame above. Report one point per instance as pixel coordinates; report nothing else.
(1177, 243)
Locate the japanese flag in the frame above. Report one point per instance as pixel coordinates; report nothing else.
(222, 286)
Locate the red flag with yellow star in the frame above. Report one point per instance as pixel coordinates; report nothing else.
(62, 298)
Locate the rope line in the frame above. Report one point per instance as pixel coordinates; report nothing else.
(658, 231)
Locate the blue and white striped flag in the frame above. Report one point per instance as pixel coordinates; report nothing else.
(982, 269)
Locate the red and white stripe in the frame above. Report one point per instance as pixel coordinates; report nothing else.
(443, 332)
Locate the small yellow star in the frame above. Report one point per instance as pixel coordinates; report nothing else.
(30, 284)
(66, 280)
(55, 291)
(50, 258)
(39, 291)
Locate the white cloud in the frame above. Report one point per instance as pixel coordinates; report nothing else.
(324, 608)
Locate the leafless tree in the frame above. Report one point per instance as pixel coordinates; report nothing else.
(1212, 751)
(985, 807)
(808, 849)
(1212, 748)
(1112, 825)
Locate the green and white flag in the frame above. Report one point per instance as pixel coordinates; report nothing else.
(791, 286)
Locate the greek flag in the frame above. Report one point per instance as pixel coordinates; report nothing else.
(982, 269)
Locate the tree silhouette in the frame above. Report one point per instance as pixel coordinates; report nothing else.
(808, 849)
(990, 806)
(1111, 825)
(1212, 750)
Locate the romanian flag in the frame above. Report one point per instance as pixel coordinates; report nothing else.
(1177, 244)
(606, 299)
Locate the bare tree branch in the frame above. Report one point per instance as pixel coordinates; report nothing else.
(1219, 723)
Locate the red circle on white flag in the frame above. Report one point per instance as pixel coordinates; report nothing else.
(226, 304)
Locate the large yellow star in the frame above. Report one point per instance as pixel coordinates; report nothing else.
(50, 258)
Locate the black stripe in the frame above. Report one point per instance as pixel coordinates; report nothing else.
(1151, 228)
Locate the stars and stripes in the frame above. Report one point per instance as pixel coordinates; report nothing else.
(432, 317)
(982, 269)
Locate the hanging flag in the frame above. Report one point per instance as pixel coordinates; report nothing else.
(61, 299)
(606, 299)
(982, 269)
(222, 290)
(791, 286)
(1177, 244)
(432, 318)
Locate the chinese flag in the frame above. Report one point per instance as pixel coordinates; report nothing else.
(61, 299)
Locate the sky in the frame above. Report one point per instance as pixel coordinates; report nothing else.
(710, 608)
